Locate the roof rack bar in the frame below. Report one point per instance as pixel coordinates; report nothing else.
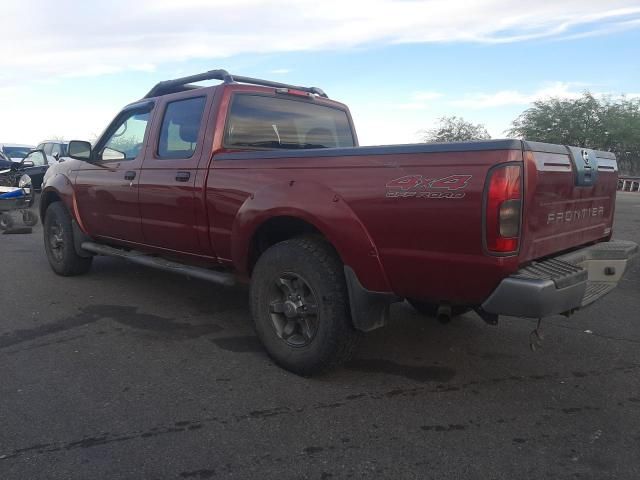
(269, 83)
(166, 86)
(179, 84)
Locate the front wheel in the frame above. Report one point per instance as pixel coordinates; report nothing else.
(59, 245)
(300, 306)
(29, 218)
(6, 221)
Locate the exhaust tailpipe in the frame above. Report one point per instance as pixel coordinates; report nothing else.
(444, 313)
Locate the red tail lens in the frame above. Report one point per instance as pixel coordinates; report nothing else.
(504, 202)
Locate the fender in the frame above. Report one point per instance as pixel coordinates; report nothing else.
(59, 186)
(321, 207)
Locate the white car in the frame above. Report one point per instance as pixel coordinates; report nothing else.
(54, 150)
(15, 151)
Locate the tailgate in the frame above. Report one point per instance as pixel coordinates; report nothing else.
(569, 198)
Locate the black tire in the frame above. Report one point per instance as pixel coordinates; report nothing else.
(58, 243)
(29, 218)
(431, 309)
(318, 341)
(6, 221)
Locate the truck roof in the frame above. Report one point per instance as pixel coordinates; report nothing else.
(185, 83)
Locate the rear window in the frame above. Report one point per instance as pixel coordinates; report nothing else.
(257, 121)
(16, 152)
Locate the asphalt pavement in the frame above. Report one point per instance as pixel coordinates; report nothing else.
(132, 373)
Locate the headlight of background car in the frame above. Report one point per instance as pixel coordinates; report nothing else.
(25, 181)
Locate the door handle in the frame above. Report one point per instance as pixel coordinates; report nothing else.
(130, 175)
(183, 176)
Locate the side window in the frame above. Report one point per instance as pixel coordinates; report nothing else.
(180, 128)
(37, 158)
(55, 148)
(126, 142)
(47, 148)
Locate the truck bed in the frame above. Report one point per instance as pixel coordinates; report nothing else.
(430, 240)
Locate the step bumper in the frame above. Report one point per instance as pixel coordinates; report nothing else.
(562, 284)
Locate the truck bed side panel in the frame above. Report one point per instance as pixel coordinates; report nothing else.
(427, 239)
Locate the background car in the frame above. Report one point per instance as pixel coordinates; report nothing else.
(54, 149)
(15, 151)
(5, 162)
(35, 165)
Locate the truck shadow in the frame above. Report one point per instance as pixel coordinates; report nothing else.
(412, 346)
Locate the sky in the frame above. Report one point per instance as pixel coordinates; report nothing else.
(68, 67)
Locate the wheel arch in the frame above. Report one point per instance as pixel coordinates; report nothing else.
(47, 197)
(59, 189)
(278, 212)
(274, 230)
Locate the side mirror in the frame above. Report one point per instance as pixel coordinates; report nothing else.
(56, 155)
(80, 150)
(28, 163)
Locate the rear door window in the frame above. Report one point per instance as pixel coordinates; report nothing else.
(263, 122)
(180, 128)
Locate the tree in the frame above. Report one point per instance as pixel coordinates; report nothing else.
(600, 123)
(455, 129)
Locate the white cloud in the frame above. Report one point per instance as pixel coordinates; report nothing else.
(504, 98)
(97, 38)
(78, 38)
(426, 96)
(419, 101)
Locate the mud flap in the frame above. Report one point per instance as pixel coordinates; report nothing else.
(79, 237)
(369, 310)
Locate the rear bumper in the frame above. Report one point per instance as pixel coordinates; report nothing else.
(564, 283)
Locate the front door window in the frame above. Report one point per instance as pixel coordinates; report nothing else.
(37, 157)
(127, 140)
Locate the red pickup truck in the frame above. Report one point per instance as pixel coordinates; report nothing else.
(253, 180)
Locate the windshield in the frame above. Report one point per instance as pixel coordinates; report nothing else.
(16, 152)
(259, 121)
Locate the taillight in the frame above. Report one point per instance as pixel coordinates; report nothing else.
(503, 205)
(293, 91)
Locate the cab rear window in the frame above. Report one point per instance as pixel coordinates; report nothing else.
(262, 122)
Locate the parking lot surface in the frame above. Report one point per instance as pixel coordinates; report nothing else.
(131, 373)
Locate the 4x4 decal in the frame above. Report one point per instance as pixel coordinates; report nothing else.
(417, 186)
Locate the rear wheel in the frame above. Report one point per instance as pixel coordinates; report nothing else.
(59, 245)
(300, 306)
